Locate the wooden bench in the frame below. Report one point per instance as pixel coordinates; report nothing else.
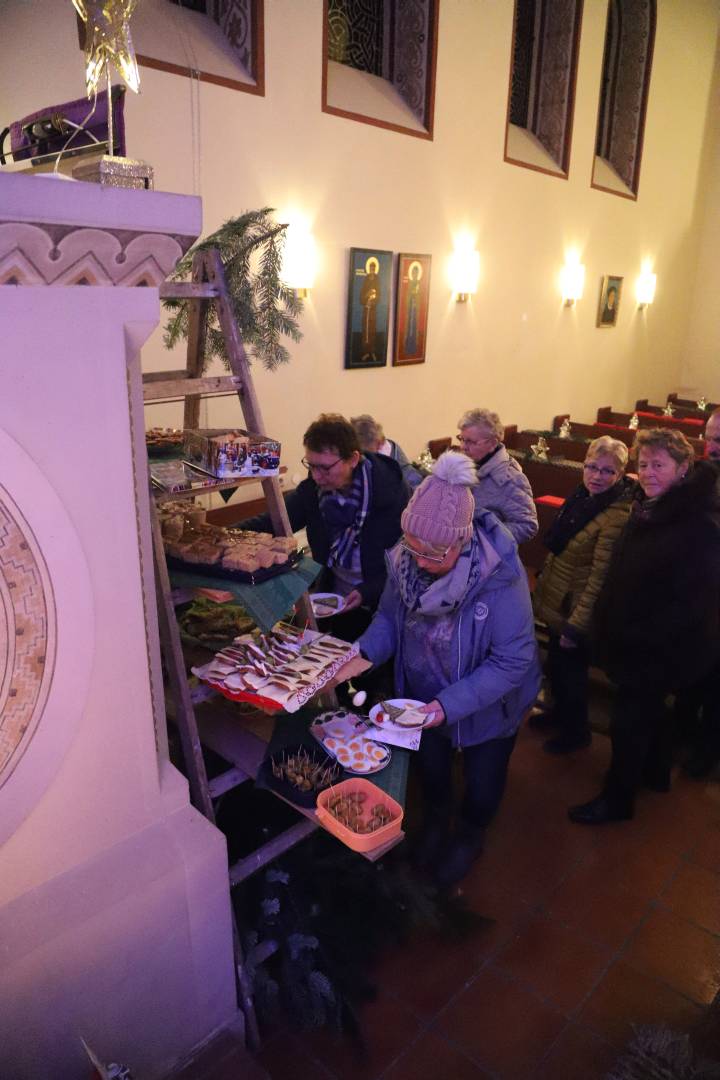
(618, 431)
(692, 428)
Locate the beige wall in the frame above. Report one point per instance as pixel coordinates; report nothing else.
(514, 347)
(701, 372)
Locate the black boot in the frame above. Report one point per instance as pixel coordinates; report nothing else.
(465, 847)
(599, 811)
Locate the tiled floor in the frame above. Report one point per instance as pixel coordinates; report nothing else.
(593, 931)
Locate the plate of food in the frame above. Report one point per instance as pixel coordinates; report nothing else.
(325, 604)
(403, 712)
(358, 755)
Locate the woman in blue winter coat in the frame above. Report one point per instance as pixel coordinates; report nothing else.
(456, 616)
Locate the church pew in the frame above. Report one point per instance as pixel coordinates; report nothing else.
(691, 428)
(688, 404)
(682, 412)
(620, 432)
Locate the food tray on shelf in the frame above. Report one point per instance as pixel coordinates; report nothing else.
(372, 797)
(244, 577)
(312, 760)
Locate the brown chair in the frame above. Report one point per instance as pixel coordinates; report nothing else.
(439, 446)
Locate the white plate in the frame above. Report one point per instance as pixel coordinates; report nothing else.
(377, 713)
(320, 611)
(358, 754)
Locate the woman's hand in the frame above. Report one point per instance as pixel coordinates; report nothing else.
(352, 600)
(435, 709)
(567, 643)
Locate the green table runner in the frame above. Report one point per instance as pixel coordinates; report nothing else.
(267, 602)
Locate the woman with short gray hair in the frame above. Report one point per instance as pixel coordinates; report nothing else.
(501, 486)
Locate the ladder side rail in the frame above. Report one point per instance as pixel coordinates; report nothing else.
(198, 310)
(249, 403)
(175, 663)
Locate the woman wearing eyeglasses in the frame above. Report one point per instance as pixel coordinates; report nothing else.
(580, 543)
(456, 617)
(657, 619)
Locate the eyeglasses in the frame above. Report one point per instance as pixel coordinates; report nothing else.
(473, 442)
(313, 466)
(598, 471)
(433, 557)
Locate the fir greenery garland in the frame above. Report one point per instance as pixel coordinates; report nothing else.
(264, 308)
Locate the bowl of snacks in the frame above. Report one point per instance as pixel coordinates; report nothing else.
(359, 813)
(299, 773)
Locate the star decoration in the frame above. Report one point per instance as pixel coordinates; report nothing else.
(107, 40)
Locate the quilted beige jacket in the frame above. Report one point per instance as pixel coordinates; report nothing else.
(570, 582)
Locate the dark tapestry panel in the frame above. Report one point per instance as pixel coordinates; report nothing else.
(355, 34)
(611, 54)
(628, 113)
(234, 17)
(411, 59)
(522, 62)
(552, 103)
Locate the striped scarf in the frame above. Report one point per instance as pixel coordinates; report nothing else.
(345, 519)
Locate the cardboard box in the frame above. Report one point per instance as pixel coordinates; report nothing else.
(230, 454)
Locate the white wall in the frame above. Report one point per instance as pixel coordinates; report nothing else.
(514, 347)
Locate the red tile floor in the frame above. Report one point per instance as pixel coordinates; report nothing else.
(593, 931)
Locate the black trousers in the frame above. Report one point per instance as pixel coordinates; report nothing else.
(641, 733)
(567, 672)
(697, 716)
(485, 768)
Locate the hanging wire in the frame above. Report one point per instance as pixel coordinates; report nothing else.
(80, 127)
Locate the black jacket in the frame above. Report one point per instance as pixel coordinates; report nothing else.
(657, 619)
(380, 531)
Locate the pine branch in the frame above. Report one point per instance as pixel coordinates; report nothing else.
(265, 310)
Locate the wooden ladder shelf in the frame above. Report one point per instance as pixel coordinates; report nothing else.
(209, 284)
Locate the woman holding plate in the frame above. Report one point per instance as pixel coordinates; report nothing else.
(456, 617)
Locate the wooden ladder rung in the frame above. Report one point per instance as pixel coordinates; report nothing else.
(188, 290)
(255, 861)
(175, 388)
(226, 781)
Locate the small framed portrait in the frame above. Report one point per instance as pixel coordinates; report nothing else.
(368, 316)
(412, 297)
(609, 301)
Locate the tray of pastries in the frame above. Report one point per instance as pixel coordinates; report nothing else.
(191, 543)
(279, 670)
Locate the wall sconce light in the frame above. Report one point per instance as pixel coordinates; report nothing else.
(645, 288)
(464, 270)
(572, 282)
(299, 263)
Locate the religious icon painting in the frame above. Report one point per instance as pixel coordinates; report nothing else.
(368, 308)
(609, 301)
(412, 298)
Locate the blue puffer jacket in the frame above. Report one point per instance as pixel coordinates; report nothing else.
(498, 674)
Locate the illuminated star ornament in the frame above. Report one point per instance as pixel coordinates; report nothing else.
(107, 40)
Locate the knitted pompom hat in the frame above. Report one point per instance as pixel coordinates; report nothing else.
(441, 510)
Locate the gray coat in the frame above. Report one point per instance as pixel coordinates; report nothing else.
(493, 642)
(504, 488)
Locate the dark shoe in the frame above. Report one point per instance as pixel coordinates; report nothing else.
(597, 812)
(464, 849)
(543, 720)
(567, 743)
